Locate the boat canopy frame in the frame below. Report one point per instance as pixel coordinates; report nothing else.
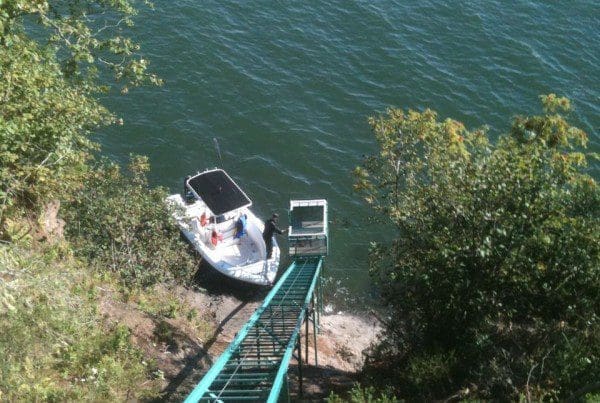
(218, 191)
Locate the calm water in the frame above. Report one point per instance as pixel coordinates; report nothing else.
(287, 87)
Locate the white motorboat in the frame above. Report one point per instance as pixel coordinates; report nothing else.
(214, 215)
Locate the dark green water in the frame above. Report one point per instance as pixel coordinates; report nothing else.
(286, 88)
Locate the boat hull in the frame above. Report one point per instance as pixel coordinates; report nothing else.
(241, 258)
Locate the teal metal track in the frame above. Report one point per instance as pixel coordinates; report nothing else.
(254, 366)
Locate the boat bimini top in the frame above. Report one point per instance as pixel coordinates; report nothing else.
(218, 191)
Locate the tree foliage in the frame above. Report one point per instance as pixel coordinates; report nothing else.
(122, 225)
(55, 58)
(51, 56)
(493, 278)
(85, 36)
(44, 123)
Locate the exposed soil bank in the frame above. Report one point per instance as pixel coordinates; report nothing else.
(184, 349)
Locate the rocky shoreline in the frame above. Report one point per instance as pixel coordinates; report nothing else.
(190, 346)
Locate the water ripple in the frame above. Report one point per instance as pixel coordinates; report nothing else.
(287, 87)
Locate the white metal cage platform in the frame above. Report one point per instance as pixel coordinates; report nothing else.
(308, 230)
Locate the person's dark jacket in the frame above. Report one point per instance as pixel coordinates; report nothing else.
(270, 229)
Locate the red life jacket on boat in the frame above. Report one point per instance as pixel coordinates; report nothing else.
(203, 220)
(215, 237)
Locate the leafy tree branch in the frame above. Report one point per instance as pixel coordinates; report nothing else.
(495, 255)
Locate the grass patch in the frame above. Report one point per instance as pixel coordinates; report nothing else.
(53, 342)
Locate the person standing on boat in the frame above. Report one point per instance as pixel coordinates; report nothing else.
(270, 229)
(187, 193)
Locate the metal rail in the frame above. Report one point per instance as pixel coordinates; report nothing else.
(254, 366)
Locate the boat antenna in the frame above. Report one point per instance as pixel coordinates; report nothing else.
(218, 150)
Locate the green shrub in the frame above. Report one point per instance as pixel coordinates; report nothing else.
(122, 225)
(44, 126)
(492, 279)
(360, 394)
(164, 333)
(51, 57)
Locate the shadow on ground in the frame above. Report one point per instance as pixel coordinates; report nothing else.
(318, 382)
(209, 281)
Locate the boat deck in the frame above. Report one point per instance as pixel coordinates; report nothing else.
(240, 258)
